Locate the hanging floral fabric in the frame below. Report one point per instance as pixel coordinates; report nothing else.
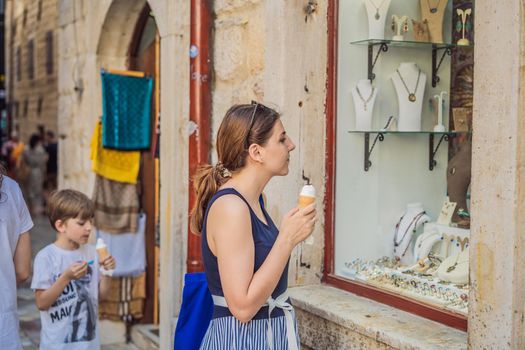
(112, 164)
(126, 106)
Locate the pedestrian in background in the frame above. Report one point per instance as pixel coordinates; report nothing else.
(52, 161)
(15, 257)
(11, 150)
(245, 255)
(34, 159)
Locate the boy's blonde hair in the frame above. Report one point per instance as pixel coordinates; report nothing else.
(68, 204)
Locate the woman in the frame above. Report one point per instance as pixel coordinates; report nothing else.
(15, 257)
(245, 255)
(35, 159)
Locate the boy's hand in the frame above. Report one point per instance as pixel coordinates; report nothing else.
(108, 263)
(76, 270)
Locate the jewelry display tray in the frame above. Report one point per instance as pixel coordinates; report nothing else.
(425, 289)
(428, 289)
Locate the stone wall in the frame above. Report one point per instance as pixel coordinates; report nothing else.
(34, 101)
(497, 313)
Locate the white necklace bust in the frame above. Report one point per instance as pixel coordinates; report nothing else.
(409, 82)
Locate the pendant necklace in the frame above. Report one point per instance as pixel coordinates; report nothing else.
(415, 219)
(411, 95)
(377, 15)
(433, 9)
(365, 102)
(453, 267)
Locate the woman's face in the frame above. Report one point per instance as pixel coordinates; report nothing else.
(276, 152)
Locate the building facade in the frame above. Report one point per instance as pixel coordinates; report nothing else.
(31, 54)
(287, 54)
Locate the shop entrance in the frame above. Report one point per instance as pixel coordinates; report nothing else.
(145, 57)
(129, 45)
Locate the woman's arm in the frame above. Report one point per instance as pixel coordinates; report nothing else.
(22, 258)
(229, 226)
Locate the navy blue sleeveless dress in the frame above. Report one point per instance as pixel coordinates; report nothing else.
(225, 331)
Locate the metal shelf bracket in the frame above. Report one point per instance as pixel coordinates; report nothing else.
(368, 149)
(432, 152)
(383, 47)
(436, 64)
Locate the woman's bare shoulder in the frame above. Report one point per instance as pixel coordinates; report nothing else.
(229, 206)
(228, 221)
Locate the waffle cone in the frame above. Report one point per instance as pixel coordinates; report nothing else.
(305, 201)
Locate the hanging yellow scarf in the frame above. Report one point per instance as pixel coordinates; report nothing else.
(122, 166)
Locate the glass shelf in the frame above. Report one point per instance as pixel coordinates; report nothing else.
(384, 44)
(410, 132)
(380, 136)
(408, 43)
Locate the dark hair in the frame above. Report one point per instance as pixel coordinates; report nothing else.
(69, 204)
(34, 140)
(236, 133)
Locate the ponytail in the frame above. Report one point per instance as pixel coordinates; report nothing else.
(206, 182)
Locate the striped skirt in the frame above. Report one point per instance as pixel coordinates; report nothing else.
(227, 333)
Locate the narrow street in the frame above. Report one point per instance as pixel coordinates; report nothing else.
(41, 235)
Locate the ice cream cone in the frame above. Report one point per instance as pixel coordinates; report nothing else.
(307, 196)
(305, 201)
(102, 250)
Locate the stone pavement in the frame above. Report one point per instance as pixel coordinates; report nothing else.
(41, 235)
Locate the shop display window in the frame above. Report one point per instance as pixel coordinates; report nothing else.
(399, 186)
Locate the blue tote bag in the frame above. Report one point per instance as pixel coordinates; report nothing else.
(195, 313)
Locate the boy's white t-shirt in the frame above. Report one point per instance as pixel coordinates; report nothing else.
(14, 220)
(71, 322)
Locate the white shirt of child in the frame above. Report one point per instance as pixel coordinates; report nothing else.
(14, 220)
(71, 322)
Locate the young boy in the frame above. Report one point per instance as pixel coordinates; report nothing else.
(66, 277)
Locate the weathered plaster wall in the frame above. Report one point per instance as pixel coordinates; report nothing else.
(273, 52)
(496, 319)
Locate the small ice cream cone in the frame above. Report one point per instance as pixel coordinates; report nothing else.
(307, 196)
(102, 250)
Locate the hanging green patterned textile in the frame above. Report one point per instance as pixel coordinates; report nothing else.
(126, 108)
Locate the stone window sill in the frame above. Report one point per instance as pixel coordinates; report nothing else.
(382, 323)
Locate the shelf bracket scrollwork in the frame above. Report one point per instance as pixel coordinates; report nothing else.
(432, 151)
(435, 64)
(383, 47)
(368, 149)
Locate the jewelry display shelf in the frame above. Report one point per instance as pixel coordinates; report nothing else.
(380, 135)
(385, 44)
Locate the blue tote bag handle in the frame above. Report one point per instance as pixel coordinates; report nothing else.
(195, 313)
